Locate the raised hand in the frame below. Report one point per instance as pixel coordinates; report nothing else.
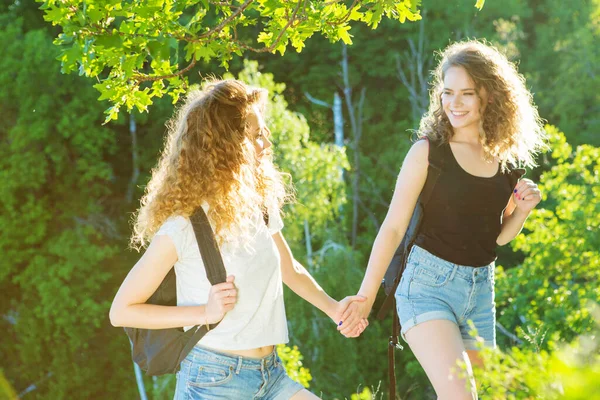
(221, 299)
(527, 195)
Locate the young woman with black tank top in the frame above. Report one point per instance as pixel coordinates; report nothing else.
(481, 122)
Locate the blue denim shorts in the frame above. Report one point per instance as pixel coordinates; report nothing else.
(209, 375)
(432, 288)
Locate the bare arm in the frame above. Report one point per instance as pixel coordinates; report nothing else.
(409, 184)
(299, 280)
(128, 308)
(520, 204)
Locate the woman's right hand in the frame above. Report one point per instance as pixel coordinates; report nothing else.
(221, 299)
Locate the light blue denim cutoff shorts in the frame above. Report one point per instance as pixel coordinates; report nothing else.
(432, 288)
(210, 375)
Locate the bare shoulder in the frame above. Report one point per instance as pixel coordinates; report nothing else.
(418, 155)
(414, 169)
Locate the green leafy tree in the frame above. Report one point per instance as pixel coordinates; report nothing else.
(136, 49)
(58, 240)
(61, 171)
(547, 294)
(565, 71)
(64, 212)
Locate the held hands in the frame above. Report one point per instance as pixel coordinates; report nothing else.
(526, 195)
(350, 316)
(221, 299)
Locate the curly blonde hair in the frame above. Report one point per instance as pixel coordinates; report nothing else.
(511, 129)
(209, 158)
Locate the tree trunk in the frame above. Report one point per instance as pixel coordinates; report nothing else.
(355, 114)
(412, 67)
(139, 378)
(309, 253)
(338, 120)
(134, 159)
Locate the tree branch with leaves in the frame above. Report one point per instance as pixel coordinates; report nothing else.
(141, 50)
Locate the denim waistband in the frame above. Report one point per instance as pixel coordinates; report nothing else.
(237, 362)
(424, 257)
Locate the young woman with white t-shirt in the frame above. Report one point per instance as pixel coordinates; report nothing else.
(218, 156)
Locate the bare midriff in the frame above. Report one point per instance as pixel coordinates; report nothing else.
(258, 352)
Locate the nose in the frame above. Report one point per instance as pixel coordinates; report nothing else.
(267, 143)
(457, 100)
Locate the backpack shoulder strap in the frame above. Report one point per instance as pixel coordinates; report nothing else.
(213, 263)
(209, 250)
(436, 161)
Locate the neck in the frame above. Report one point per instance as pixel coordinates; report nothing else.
(467, 134)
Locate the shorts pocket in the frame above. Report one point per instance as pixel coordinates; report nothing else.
(210, 375)
(430, 276)
(402, 289)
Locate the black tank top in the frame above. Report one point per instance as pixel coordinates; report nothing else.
(463, 216)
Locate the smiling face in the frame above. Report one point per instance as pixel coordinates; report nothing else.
(462, 103)
(259, 132)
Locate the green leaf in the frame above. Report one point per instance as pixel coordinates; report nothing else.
(112, 113)
(94, 15)
(206, 52)
(69, 59)
(108, 41)
(158, 49)
(106, 89)
(343, 34)
(142, 100)
(128, 65)
(265, 37)
(119, 39)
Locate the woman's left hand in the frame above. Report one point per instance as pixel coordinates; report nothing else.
(527, 195)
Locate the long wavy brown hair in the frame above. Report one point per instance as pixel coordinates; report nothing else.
(209, 158)
(511, 129)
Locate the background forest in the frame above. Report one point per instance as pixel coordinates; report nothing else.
(341, 117)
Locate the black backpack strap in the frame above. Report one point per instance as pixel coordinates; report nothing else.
(213, 263)
(209, 249)
(392, 345)
(436, 161)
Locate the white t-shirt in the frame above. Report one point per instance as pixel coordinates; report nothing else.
(258, 318)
